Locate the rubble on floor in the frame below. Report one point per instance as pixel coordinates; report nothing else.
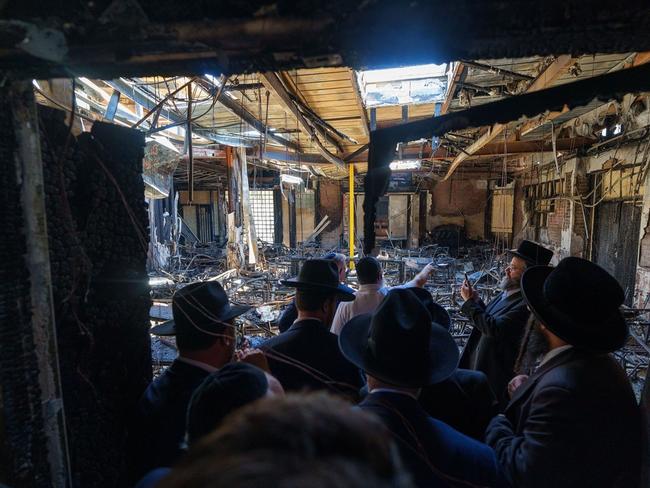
(483, 265)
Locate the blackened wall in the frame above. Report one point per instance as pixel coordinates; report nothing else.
(23, 455)
(98, 237)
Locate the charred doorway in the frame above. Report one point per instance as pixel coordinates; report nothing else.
(616, 241)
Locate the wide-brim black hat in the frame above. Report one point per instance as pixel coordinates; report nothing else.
(579, 302)
(439, 314)
(399, 344)
(532, 253)
(201, 305)
(321, 275)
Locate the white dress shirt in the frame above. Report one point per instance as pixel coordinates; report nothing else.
(366, 300)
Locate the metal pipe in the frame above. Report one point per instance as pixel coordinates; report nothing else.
(188, 135)
(351, 217)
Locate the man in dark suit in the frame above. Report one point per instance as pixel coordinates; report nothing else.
(493, 345)
(290, 313)
(575, 420)
(205, 338)
(401, 351)
(465, 400)
(307, 356)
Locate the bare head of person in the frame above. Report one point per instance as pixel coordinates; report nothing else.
(311, 440)
(369, 271)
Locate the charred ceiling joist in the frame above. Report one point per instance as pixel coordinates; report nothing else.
(105, 39)
(383, 141)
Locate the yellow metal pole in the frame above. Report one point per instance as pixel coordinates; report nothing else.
(351, 218)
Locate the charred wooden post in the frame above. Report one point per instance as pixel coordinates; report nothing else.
(30, 386)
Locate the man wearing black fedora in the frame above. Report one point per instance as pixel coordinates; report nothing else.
(307, 356)
(464, 400)
(401, 351)
(498, 327)
(575, 420)
(203, 324)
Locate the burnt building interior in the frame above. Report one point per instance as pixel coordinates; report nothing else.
(148, 145)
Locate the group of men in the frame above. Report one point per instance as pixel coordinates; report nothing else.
(535, 399)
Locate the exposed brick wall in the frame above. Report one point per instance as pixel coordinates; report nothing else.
(559, 221)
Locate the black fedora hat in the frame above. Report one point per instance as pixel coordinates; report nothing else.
(203, 305)
(438, 313)
(532, 253)
(320, 275)
(399, 344)
(579, 302)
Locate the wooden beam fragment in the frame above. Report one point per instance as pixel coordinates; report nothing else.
(459, 69)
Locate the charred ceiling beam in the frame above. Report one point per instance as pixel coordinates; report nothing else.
(242, 37)
(230, 104)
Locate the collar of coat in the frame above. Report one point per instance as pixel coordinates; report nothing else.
(562, 358)
(307, 324)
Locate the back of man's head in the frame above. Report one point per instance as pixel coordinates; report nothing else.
(192, 339)
(311, 440)
(308, 300)
(221, 393)
(368, 271)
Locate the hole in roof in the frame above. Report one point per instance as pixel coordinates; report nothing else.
(424, 83)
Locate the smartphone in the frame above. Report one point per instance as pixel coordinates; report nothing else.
(469, 283)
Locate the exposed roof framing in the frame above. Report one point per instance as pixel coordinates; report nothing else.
(545, 79)
(273, 83)
(240, 111)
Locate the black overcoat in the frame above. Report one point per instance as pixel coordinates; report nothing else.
(307, 356)
(574, 423)
(494, 343)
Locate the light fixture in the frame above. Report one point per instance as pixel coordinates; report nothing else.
(404, 164)
(291, 179)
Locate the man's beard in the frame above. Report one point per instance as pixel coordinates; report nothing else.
(533, 347)
(510, 283)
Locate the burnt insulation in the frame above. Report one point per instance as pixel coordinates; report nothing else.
(97, 226)
(23, 456)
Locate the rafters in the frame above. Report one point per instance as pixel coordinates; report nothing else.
(275, 85)
(545, 79)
